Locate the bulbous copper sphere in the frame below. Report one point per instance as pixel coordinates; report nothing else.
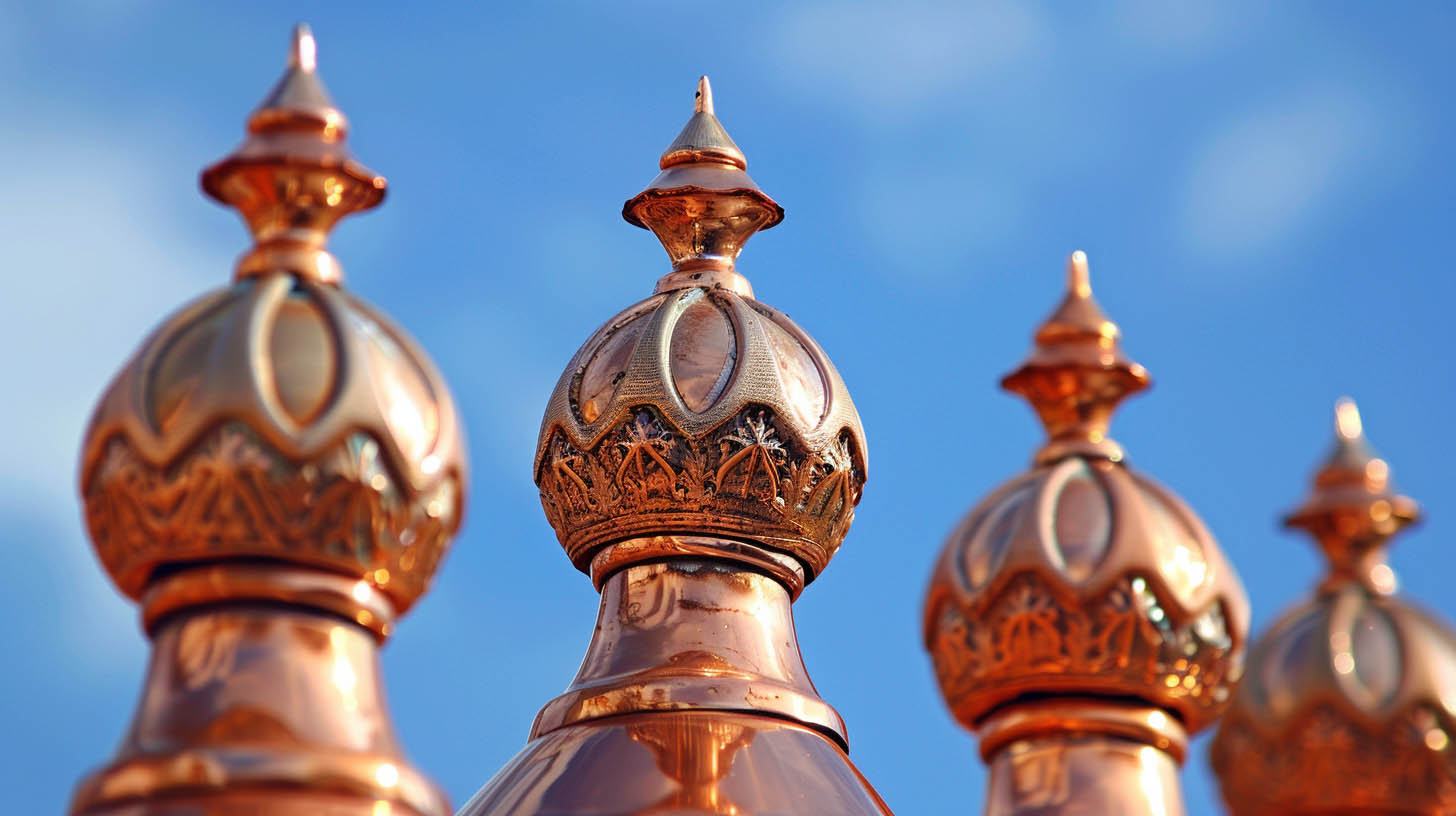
(1083, 577)
(280, 418)
(277, 419)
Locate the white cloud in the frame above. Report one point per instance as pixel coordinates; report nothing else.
(95, 255)
(929, 220)
(1265, 175)
(903, 55)
(1180, 28)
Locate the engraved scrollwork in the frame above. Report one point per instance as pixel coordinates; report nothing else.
(751, 448)
(233, 496)
(1121, 640)
(1406, 766)
(747, 477)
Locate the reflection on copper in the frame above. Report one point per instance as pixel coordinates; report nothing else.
(274, 476)
(697, 755)
(701, 460)
(1350, 699)
(674, 761)
(1081, 619)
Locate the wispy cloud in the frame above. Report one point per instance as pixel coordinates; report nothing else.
(1265, 174)
(1180, 28)
(903, 55)
(96, 254)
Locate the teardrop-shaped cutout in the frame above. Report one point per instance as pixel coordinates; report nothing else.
(702, 352)
(1375, 649)
(1081, 522)
(606, 370)
(1293, 661)
(799, 376)
(179, 367)
(302, 357)
(993, 536)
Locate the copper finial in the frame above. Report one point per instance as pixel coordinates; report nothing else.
(1354, 509)
(294, 176)
(1077, 373)
(1082, 620)
(703, 206)
(701, 460)
(703, 103)
(1349, 702)
(273, 477)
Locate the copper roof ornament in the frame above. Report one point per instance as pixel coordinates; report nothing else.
(700, 459)
(274, 476)
(1350, 701)
(1081, 620)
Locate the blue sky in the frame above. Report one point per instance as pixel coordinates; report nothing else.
(1265, 193)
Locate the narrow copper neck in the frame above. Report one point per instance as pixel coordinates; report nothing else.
(260, 704)
(263, 582)
(1067, 756)
(693, 632)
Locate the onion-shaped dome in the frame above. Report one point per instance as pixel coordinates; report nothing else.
(701, 410)
(1083, 578)
(279, 418)
(1349, 705)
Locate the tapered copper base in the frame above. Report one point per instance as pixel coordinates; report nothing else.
(259, 707)
(692, 698)
(1065, 757)
(693, 762)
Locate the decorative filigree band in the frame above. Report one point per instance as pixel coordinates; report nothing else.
(745, 479)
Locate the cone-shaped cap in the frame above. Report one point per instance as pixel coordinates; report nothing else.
(294, 177)
(703, 138)
(1077, 373)
(703, 206)
(1354, 508)
(300, 93)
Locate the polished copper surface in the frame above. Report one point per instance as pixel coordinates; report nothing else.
(1069, 756)
(1078, 589)
(1084, 774)
(1350, 701)
(688, 762)
(662, 643)
(695, 660)
(701, 460)
(700, 410)
(281, 704)
(275, 476)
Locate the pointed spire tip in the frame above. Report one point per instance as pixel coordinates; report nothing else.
(303, 54)
(703, 101)
(1347, 419)
(1079, 280)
